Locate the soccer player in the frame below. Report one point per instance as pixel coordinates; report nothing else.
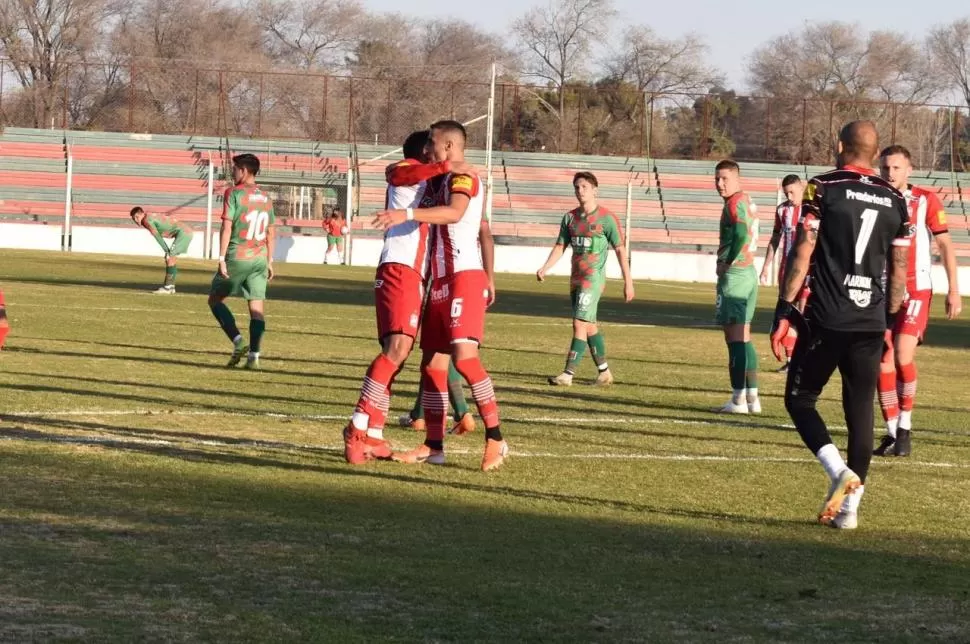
(590, 230)
(851, 219)
(4, 324)
(787, 216)
(897, 378)
(398, 294)
(336, 228)
(737, 287)
(161, 226)
(246, 242)
(461, 287)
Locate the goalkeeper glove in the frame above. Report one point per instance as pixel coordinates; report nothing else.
(786, 318)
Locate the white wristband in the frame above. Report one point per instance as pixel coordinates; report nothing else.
(410, 214)
(222, 258)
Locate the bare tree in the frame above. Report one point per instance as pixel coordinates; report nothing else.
(661, 66)
(950, 46)
(310, 33)
(42, 37)
(556, 42)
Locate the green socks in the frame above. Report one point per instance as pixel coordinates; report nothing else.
(597, 349)
(226, 320)
(256, 330)
(455, 394)
(737, 364)
(170, 273)
(751, 366)
(575, 356)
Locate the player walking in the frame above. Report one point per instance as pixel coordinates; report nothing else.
(737, 287)
(897, 378)
(246, 242)
(162, 226)
(787, 216)
(461, 288)
(590, 230)
(851, 218)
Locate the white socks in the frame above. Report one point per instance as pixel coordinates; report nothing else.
(905, 420)
(831, 461)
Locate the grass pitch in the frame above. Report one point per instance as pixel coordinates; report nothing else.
(150, 494)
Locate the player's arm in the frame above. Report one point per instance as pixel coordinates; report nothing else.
(739, 239)
(800, 260)
(771, 250)
(557, 249)
(487, 243)
(225, 231)
(409, 172)
(614, 235)
(899, 262)
(157, 235)
(462, 188)
(936, 222)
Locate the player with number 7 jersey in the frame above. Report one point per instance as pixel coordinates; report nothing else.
(246, 243)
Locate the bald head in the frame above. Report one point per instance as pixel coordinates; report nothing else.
(858, 144)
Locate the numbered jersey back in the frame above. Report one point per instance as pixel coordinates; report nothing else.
(858, 217)
(251, 212)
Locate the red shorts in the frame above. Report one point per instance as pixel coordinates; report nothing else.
(914, 315)
(456, 311)
(398, 292)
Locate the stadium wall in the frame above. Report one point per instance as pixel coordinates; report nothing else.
(645, 265)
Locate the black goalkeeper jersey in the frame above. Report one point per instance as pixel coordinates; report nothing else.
(859, 217)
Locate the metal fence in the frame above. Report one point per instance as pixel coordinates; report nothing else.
(610, 118)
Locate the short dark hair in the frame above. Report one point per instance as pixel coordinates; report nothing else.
(896, 149)
(450, 126)
(790, 179)
(588, 176)
(727, 164)
(248, 161)
(135, 211)
(414, 144)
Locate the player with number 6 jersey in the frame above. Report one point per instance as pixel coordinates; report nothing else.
(246, 242)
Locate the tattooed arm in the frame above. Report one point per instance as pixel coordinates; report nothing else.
(897, 278)
(801, 259)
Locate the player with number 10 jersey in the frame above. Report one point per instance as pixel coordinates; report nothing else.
(245, 257)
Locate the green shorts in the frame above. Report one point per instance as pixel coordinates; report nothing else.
(333, 240)
(180, 243)
(248, 279)
(737, 298)
(586, 302)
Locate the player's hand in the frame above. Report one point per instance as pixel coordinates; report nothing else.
(270, 272)
(384, 219)
(628, 292)
(223, 269)
(954, 304)
(786, 317)
(721, 269)
(763, 278)
(490, 300)
(541, 274)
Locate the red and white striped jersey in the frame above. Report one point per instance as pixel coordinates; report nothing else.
(407, 243)
(787, 216)
(455, 246)
(927, 216)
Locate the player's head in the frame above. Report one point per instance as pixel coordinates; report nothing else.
(415, 144)
(858, 144)
(447, 141)
(137, 214)
(336, 213)
(793, 187)
(244, 167)
(896, 165)
(586, 187)
(727, 178)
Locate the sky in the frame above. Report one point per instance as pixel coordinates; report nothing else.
(733, 29)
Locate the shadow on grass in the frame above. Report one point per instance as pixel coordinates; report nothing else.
(383, 552)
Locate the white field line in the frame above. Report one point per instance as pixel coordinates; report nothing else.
(338, 448)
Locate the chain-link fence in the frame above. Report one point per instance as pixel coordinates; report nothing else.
(610, 118)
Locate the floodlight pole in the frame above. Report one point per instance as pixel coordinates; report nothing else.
(207, 251)
(489, 135)
(68, 188)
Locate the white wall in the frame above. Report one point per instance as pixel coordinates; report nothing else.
(646, 265)
(30, 236)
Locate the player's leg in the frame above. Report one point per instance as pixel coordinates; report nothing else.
(464, 421)
(594, 338)
(813, 363)
(730, 312)
(858, 367)
(905, 351)
(750, 354)
(580, 300)
(888, 396)
(220, 289)
(180, 245)
(254, 283)
(4, 324)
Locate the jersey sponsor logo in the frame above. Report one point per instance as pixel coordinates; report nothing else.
(860, 289)
(864, 179)
(868, 197)
(378, 283)
(440, 294)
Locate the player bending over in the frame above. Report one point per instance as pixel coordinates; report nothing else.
(246, 242)
(161, 226)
